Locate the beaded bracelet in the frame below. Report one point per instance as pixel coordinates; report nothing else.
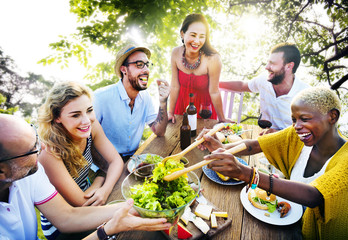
(270, 184)
(256, 180)
(251, 179)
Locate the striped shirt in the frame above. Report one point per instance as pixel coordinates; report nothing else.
(82, 181)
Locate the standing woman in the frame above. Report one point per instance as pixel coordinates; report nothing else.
(68, 128)
(196, 68)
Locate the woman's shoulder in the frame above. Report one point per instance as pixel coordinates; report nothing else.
(47, 155)
(177, 51)
(214, 57)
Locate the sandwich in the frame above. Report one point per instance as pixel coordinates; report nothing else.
(259, 199)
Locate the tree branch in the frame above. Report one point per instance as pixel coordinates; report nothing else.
(248, 2)
(296, 16)
(337, 84)
(326, 47)
(315, 23)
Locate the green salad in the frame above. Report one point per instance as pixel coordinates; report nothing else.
(157, 194)
(152, 159)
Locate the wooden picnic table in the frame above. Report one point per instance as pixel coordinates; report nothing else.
(227, 198)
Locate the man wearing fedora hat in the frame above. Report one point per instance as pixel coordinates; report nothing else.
(124, 108)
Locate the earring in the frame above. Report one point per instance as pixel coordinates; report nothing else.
(182, 40)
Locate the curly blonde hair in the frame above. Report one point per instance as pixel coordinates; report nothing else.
(321, 98)
(56, 138)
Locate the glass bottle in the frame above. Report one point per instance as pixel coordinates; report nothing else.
(192, 116)
(185, 133)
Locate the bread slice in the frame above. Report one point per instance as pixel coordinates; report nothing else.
(251, 195)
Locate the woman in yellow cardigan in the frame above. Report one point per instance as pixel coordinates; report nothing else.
(315, 113)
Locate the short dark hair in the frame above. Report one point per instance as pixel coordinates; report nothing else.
(291, 53)
(196, 17)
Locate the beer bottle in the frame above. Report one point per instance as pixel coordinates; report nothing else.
(185, 133)
(192, 115)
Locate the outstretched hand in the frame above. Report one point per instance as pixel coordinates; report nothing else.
(124, 220)
(211, 142)
(227, 164)
(163, 90)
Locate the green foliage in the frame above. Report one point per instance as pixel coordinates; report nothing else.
(18, 92)
(319, 28)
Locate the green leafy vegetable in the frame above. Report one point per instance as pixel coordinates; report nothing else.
(272, 206)
(152, 159)
(156, 194)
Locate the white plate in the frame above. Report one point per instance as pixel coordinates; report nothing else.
(135, 160)
(215, 178)
(293, 216)
(237, 133)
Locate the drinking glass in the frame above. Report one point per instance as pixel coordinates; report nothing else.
(205, 111)
(264, 122)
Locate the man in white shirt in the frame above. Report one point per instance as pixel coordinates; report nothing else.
(24, 184)
(278, 88)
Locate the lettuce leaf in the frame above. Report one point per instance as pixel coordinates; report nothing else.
(157, 194)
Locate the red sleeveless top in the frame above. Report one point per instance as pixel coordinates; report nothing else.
(199, 86)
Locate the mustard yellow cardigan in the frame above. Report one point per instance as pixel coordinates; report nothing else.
(330, 220)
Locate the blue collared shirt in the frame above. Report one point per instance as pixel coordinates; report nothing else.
(121, 126)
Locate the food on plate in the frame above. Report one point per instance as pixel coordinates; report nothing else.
(221, 136)
(259, 199)
(157, 194)
(169, 231)
(150, 159)
(220, 214)
(234, 138)
(201, 224)
(213, 221)
(186, 216)
(183, 232)
(283, 207)
(225, 178)
(230, 133)
(222, 177)
(203, 211)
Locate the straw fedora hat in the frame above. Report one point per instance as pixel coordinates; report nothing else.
(124, 53)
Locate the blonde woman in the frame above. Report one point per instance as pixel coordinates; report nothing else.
(68, 128)
(312, 155)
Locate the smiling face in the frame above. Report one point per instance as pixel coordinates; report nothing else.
(310, 125)
(137, 77)
(194, 37)
(276, 68)
(77, 117)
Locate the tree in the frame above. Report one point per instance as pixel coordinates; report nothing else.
(318, 27)
(17, 92)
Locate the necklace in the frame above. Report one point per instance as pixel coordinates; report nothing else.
(191, 66)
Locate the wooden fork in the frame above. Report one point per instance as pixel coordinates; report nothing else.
(179, 173)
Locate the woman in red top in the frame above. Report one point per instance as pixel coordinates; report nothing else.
(196, 68)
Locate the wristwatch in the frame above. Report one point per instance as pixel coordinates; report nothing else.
(101, 232)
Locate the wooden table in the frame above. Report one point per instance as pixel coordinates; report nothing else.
(244, 225)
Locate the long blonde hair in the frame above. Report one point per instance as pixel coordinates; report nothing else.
(56, 138)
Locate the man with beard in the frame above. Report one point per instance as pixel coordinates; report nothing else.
(24, 184)
(124, 108)
(278, 88)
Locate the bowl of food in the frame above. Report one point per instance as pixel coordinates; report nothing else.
(137, 161)
(156, 198)
(230, 133)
